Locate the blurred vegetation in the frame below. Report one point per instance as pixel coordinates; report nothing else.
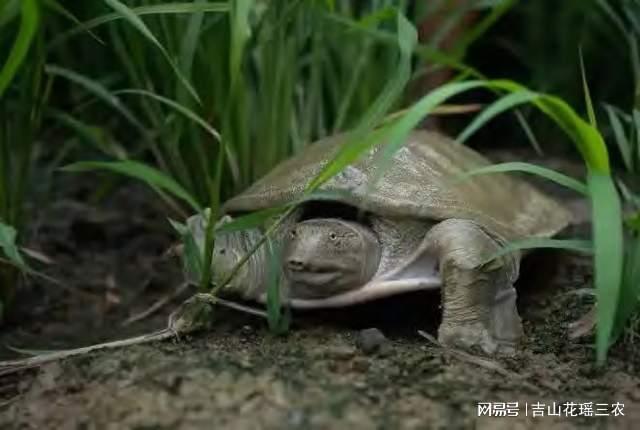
(200, 98)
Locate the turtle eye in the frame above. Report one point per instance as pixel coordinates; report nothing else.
(222, 251)
(293, 233)
(333, 236)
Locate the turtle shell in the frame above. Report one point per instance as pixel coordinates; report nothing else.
(422, 181)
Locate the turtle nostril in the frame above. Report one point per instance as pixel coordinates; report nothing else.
(295, 264)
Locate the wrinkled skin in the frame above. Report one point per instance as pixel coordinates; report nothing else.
(229, 249)
(323, 257)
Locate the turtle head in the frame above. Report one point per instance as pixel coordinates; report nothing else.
(229, 249)
(326, 256)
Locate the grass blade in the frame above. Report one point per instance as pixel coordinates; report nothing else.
(190, 114)
(630, 291)
(253, 220)
(29, 19)
(97, 136)
(496, 108)
(608, 239)
(359, 142)
(57, 7)
(133, 19)
(177, 107)
(151, 176)
(587, 94)
(620, 137)
(278, 321)
(159, 9)
(396, 133)
(192, 260)
(582, 246)
(544, 172)
(98, 90)
(8, 244)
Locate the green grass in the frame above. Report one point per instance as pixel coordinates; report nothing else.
(249, 76)
(20, 114)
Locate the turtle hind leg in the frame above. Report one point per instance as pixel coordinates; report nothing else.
(478, 297)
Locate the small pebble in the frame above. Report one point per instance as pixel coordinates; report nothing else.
(372, 340)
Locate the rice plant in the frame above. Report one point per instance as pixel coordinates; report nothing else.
(22, 90)
(252, 83)
(25, 93)
(625, 123)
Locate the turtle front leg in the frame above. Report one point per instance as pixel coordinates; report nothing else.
(478, 298)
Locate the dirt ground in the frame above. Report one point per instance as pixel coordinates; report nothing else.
(318, 376)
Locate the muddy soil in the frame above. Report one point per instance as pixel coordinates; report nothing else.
(240, 376)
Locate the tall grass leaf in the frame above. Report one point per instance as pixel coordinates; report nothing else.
(235, 128)
(587, 94)
(98, 90)
(361, 139)
(630, 291)
(377, 16)
(262, 217)
(8, 11)
(191, 258)
(177, 107)
(531, 137)
(623, 143)
(253, 220)
(241, 32)
(190, 41)
(133, 19)
(423, 51)
(496, 108)
(636, 131)
(608, 10)
(57, 7)
(29, 19)
(8, 244)
(635, 67)
(544, 172)
(468, 37)
(190, 114)
(576, 245)
(608, 241)
(633, 222)
(396, 133)
(407, 40)
(96, 136)
(586, 137)
(278, 322)
(159, 9)
(151, 176)
(445, 109)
